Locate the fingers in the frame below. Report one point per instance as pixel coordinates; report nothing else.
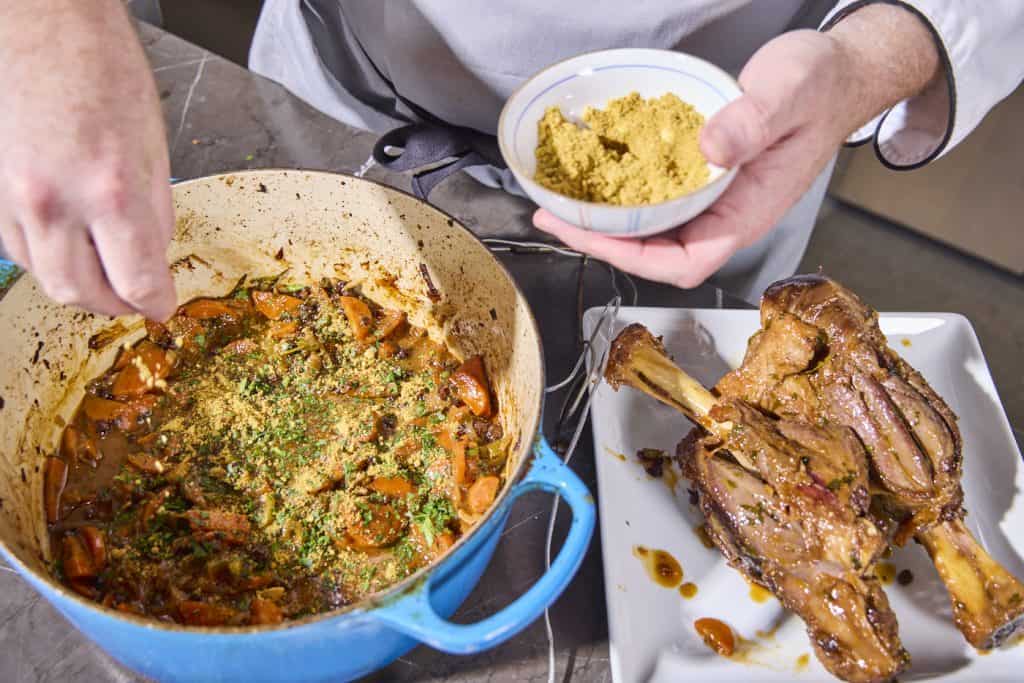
(780, 132)
(762, 116)
(737, 133)
(133, 256)
(758, 197)
(14, 242)
(161, 201)
(67, 267)
(681, 257)
(762, 191)
(114, 264)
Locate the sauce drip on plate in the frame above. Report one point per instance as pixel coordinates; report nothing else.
(760, 594)
(615, 454)
(716, 635)
(663, 569)
(886, 572)
(688, 590)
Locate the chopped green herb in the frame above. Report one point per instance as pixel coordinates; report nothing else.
(839, 482)
(265, 476)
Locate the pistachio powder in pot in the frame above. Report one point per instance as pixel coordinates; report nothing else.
(634, 151)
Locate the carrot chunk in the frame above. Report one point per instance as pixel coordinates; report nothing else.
(153, 505)
(388, 349)
(240, 347)
(373, 429)
(132, 413)
(130, 608)
(126, 416)
(100, 409)
(395, 487)
(442, 542)
(95, 543)
(195, 613)
(472, 387)
(255, 581)
(264, 612)
(76, 562)
(187, 334)
(359, 316)
(482, 493)
(280, 330)
(77, 446)
(55, 477)
(274, 306)
(84, 588)
(158, 333)
(230, 527)
(378, 526)
(390, 323)
(208, 309)
(145, 364)
(457, 448)
(146, 463)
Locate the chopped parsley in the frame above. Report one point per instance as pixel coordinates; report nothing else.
(433, 517)
(840, 482)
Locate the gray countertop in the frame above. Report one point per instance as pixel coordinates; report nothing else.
(221, 117)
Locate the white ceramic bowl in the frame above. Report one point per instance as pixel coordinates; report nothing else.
(593, 79)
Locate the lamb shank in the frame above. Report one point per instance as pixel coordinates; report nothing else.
(787, 503)
(821, 358)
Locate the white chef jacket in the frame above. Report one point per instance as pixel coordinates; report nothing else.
(364, 61)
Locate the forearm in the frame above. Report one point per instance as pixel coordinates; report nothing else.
(26, 24)
(79, 30)
(891, 56)
(84, 200)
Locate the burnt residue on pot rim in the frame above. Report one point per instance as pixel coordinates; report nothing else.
(262, 182)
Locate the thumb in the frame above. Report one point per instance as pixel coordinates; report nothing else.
(738, 133)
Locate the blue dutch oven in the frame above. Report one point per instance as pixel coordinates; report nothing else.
(406, 253)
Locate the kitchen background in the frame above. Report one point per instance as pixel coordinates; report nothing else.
(949, 237)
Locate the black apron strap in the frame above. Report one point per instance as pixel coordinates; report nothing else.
(429, 145)
(426, 144)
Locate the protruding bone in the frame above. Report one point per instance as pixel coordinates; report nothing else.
(638, 359)
(988, 601)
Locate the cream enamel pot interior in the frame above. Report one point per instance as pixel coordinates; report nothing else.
(405, 254)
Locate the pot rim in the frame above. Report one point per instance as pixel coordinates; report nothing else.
(410, 583)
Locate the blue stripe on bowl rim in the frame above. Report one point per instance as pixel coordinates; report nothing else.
(519, 121)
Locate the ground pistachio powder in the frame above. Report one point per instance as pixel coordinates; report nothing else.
(634, 151)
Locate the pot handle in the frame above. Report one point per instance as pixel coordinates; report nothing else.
(413, 614)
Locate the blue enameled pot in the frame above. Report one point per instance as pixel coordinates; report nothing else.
(406, 254)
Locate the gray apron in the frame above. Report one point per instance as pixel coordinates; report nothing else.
(433, 75)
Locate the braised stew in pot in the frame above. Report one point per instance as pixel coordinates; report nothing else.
(279, 452)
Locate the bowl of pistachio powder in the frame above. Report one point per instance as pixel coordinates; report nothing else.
(610, 140)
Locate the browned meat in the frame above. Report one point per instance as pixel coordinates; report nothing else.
(787, 504)
(860, 382)
(759, 537)
(821, 357)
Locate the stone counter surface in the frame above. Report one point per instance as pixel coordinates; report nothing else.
(221, 118)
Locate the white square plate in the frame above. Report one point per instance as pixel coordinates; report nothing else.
(651, 628)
